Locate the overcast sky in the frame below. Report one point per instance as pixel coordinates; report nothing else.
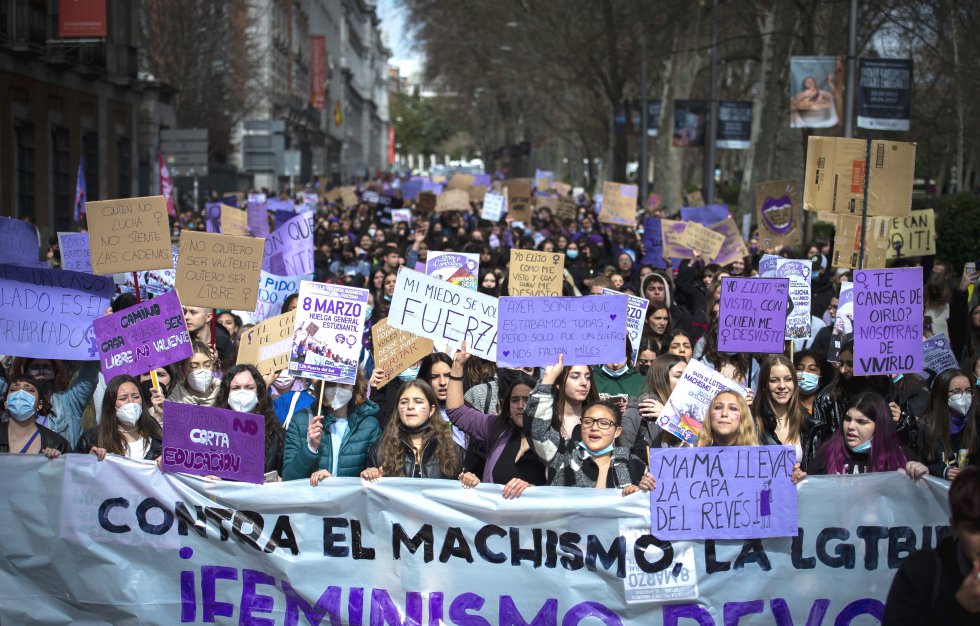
(393, 22)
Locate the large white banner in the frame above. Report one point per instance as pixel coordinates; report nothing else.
(120, 542)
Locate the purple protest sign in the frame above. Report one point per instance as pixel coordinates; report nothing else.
(411, 188)
(653, 243)
(289, 249)
(19, 243)
(258, 219)
(275, 204)
(212, 217)
(888, 321)
(705, 215)
(205, 441)
(588, 330)
(737, 492)
(143, 337)
(752, 314)
(482, 179)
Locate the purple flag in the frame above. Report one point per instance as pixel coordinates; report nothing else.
(752, 314)
(289, 249)
(705, 215)
(205, 441)
(81, 191)
(888, 321)
(653, 243)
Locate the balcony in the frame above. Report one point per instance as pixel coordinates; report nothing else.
(30, 29)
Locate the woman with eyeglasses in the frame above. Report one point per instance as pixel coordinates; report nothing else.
(21, 434)
(562, 396)
(66, 396)
(125, 427)
(950, 425)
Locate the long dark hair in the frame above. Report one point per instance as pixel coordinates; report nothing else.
(108, 433)
(740, 360)
(935, 422)
(264, 405)
(391, 452)
(559, 391)
(657, 381)
(886, 451)
(763, 408)
(522, 379)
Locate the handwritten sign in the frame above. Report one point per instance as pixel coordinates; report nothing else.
(289, 249)
(48, 314)
(778, 207)
(705, 241)
(266, 345)
(588, 330)
(258, 219)
(798, 322)
(234, 221)
(752, 314)
(129, 234)
(75, 254)
(534, 273)
(453, 200)
(888, 321)
(673, 235)
(458, 268)
(460, 181)
(688, 403)
(205, 441)
(396, 350)
(19, 242)
(494, 207)
(519, 199)
(219, 271)
(328, 330)
(477, 193)
(843, 322)
(738, 492)
(429, 307)
(734, 247)
(636, 310)
(273, 291)
(618, 204)
(653, 243)
(847, 242)
(937, 355)
(143, 337)
(913, 235)
(348, 196)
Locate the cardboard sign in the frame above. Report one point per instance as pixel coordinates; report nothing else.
(460, 181)
(429, 307)
(588, 330)
(348, 196)
(19, 242)
(707, 242)
(687, 405)
(75, 253)
(695, 198)
(266, 345)
(494, 207)
(396, 350)
(734, 247)
(937, 356)
(518, 192)
(458, 268)
(533, 273)
(636, 310)
(835, 176)
(328, 331)
(798, 322)
(752, 314)
(129, 234)
(205, 441)
(542, 179)
(143, 337)
(738, 492)
(333, 195)
(427, 201)
(618, 204)
(48, 314)
(289, 249)
(219, 271)
(477, 193)
(273, 291)
(234, 221)
(777, 206)
(847, 242)
(566, 209)
(673, 235)
(453, 200)
(653, 243)
(914, 235)
(563, 190)
(888, 321)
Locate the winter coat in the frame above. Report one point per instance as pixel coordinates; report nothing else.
(362, 430)
(767, 435)
(429, 465)
(49, 439)
(90, 439)
(828, 414)
(491, 429)
(680, 318)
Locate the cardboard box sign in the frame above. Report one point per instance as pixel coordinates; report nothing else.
(518, 192)
(914, 235)
(847, 242)
(427, 201)
(835, 173)
(453, 200)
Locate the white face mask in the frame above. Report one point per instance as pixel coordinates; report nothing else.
(960, 402)
(128, 414)
(338, 397)
(242, 400)
(200, 380)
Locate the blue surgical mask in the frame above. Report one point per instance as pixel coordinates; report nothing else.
(591, 452)
(368, 310)
(20, 405)
(572, 254)
(615, 373)
(862, 448)
(808, 382)
(410, 374)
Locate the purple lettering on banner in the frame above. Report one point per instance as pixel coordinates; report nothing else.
(258, 219)
(587, 330)
(143, 337)
(212, 217)
(752, 314)
(705, 215)
(75, 254)
(205, 441)
(653, 243)
(48, 314)
(289, 249)
(19, 243)
(282, 217)
(888, 321)
(735, 492)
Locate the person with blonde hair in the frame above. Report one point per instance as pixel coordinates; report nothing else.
(728, 423)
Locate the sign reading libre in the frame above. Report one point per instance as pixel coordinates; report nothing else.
(143, 337)
(888, 321)
(219, 271)
(205, 441)
(129, 234)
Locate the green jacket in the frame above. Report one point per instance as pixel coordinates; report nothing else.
(363, 429)
(631, 383)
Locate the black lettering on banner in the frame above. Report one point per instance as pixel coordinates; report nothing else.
(331, 538)
(569, 545)
(399, 537)
(455, 545)
(153, 529)
(104, 509)
(484, 550)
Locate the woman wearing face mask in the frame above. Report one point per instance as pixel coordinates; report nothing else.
(728, 422)
(641, 431)
(811, 372)
(865, 442)
(19, 431)
(335, 441)
(243, 390)
(510, 461)
(415, 442)
(125, 427)
(197, 384)
(165, 377)
(778, 411)
(66, 396)
(950, 424)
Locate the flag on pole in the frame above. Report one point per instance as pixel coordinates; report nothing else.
(166, 186)
(338, 113)
(81, 191)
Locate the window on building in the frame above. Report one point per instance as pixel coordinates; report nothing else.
(24, 168)
(90, 147)
(62, 186)
(124, 169)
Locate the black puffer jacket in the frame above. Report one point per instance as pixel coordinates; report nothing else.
(766, 427)
(90, 439)
(829, 411)
(429, 465)
(49, 439)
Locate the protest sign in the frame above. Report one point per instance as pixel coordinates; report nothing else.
(212, 217)
(48, 314)
(234, 221)
(333, 195)
(427, 201)
(257, 198)
(737, 492)
(348, 196)
(426, 306)
(707, 242)
(937, 356)
(542, 179)
(588, 330)
(636, 310)
(843, 321)
(129, 234)
(401, 215)
(618, 204)
(884, 93)
(157, 282)
(284, 205)
(458, 268)
(273, 291)
(653, 243)
(798, 319)
(752, 314)
(258, 219)
(688, 403)
(706, 214)
(370, 197)
(673, 234)
(888, 321)
(494, 207)
(396, 350)
(206, 441)
(75, 254)
(533, 273)
(19, 242)
(267, 344)
(847, 242)
(289, 249)
(518, 192)
(913, 235)
(777, 206)
(695, 198)
(453, 200)
(562, 190)
(142, 337)
(734, 247)
(460, 181)
(566, 208)
(477, 193)
(327, 333)
(219, 271)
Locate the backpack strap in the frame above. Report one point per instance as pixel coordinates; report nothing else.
(292, 409)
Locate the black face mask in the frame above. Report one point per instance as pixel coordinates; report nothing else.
(642, 369)
(421, 428)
